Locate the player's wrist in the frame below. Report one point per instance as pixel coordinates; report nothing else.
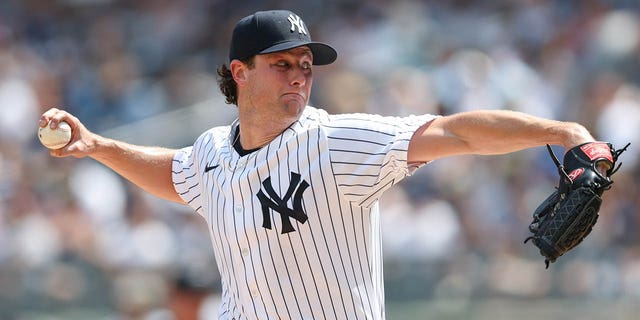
(575, 135)
(99, 147)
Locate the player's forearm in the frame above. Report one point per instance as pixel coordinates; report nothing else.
(502, 131)
(491, 132)
(147, 167)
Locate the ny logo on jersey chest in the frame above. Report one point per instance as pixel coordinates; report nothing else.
(271, 200)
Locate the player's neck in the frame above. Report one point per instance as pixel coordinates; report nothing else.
(257, 130)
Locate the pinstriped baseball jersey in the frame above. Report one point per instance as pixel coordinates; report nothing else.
(295, 225)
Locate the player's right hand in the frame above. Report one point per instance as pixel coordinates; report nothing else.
(83, 142)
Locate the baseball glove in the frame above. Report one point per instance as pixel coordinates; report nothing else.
(568, 215)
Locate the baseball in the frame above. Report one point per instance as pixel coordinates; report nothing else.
(55, 138)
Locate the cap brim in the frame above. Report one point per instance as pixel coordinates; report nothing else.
(323, 54)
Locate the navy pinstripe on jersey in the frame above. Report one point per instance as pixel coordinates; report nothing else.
(295, 225)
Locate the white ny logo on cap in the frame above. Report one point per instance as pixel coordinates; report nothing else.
(296, 22)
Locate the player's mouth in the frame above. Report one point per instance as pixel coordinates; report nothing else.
(294, 95)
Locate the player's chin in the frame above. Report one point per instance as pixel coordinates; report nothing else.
(294, 104)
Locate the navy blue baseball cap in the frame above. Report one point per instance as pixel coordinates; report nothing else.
(273, 31)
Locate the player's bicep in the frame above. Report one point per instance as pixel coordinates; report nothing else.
(433, 140)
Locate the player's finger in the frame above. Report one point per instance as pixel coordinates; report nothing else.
(58, 153)
(43, 121)
(53, 117)
(48, 117)
(45, 118)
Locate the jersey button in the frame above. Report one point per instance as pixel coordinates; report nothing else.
(241, 164)
(245, 251)
(238, 209)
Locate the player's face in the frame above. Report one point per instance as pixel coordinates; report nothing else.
(281, 81)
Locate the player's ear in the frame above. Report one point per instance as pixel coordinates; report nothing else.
(238, 70)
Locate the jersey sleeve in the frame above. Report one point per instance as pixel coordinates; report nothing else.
(369, 153)
(185, 178)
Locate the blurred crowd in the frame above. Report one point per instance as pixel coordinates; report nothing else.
(77, 240)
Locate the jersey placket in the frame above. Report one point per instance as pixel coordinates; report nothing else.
(243, 227)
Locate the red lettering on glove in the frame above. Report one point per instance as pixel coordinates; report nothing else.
(597, 150)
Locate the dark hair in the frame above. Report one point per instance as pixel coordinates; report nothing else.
(226, 82)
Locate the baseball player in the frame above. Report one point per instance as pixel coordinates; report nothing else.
(289, 192)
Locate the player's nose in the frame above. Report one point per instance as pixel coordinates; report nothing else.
(299, 77)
